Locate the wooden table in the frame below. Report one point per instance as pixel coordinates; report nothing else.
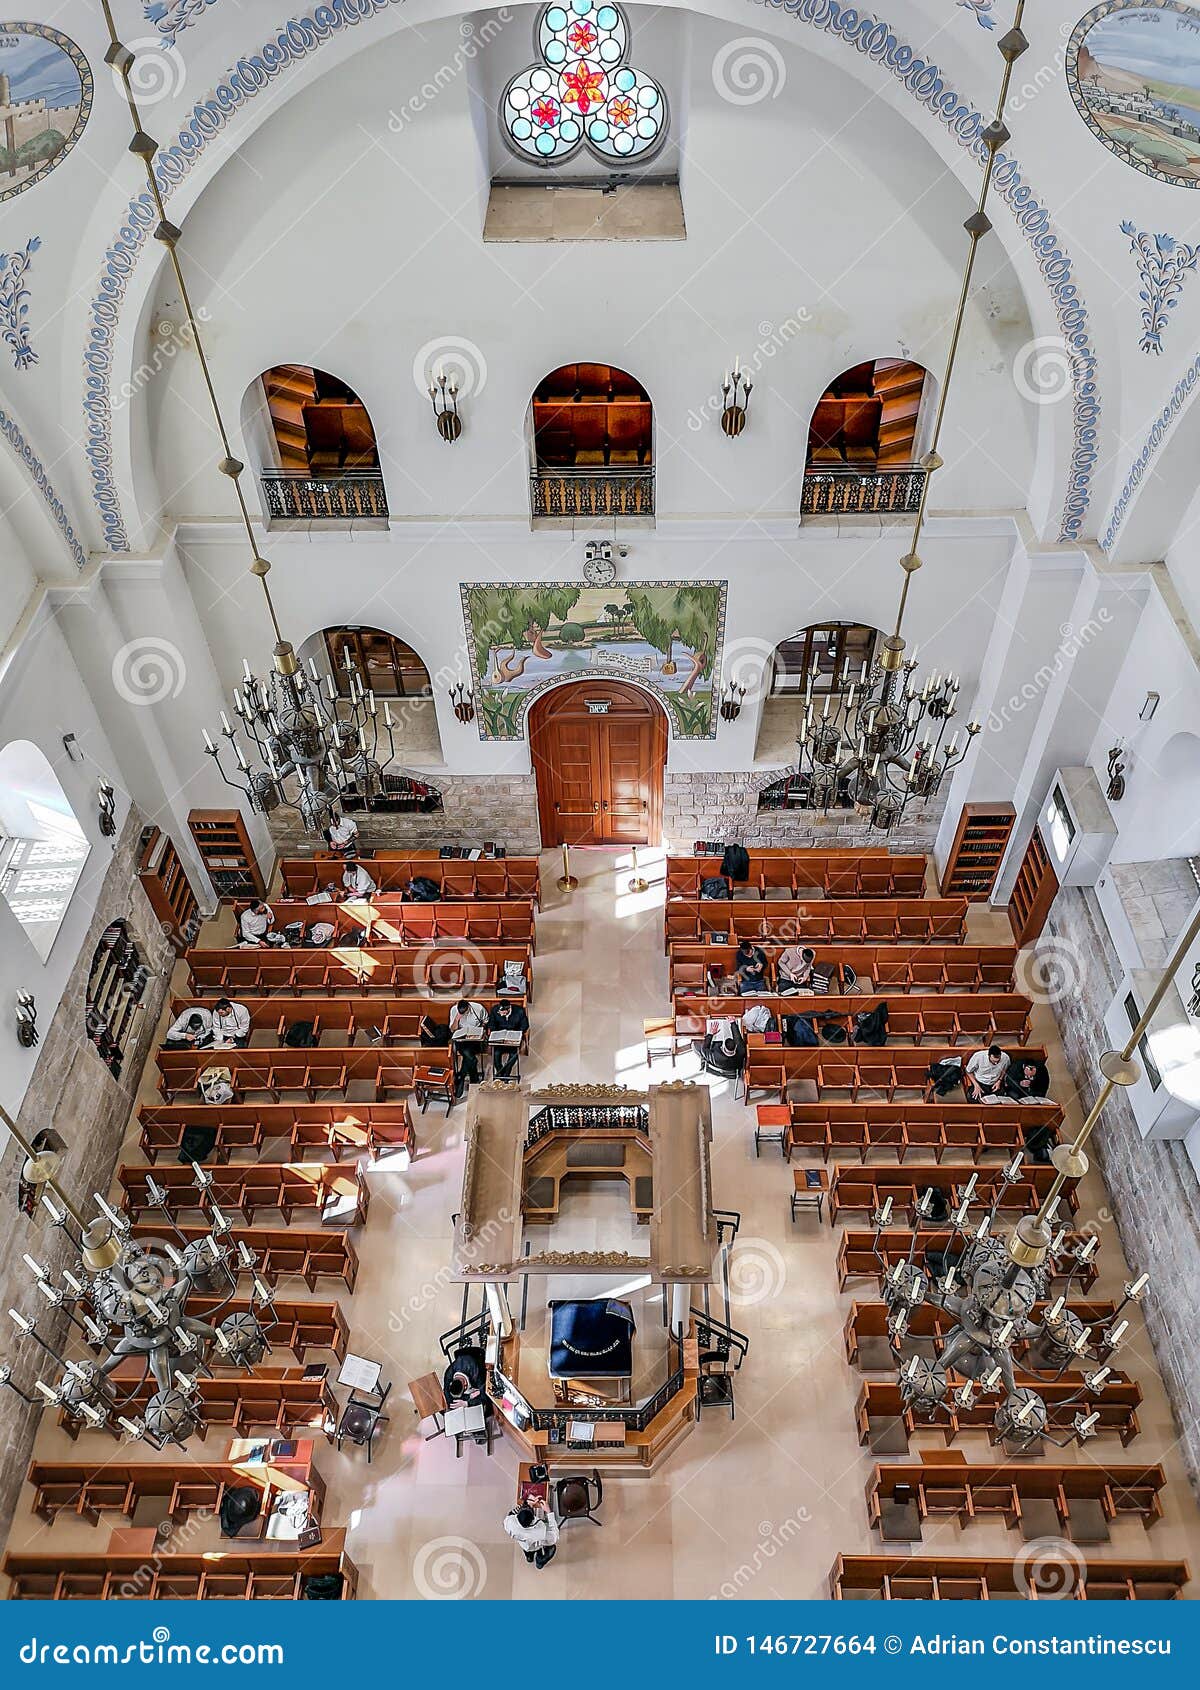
(429, 1400)
(809, 1189)
(772, 1124)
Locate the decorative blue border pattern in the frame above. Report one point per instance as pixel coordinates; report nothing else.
(14, 302)
(54, 504)
(172, 17)
(1180, 394)
(303, 36)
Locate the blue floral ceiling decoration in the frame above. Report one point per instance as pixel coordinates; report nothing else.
(1164, 263)
(14, 303)
(172, 17)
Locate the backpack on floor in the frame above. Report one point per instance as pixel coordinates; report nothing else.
(196, 1143)
(301, 1035)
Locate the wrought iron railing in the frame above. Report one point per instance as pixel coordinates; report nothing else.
(592, 492)
(577, 1117)
(717, 1336)
(842, 490)
(301, 497)
(468, 1334)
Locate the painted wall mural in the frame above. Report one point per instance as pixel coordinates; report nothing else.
(1163, 263)
(526, 636)
(1134, 73)
(45, 101)
(14, 303)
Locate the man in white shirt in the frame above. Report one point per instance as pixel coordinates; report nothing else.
(342, 834)
(356, 881)
(985, 1072)
(190, 1030)
(230, 1025)
(533, 1529)
(468, 1039)
(255, 922)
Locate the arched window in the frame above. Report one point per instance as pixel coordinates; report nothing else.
(830, 654)
(389, 667)
(42, 846)
(864, 439)
(320, 436)
(593, 443)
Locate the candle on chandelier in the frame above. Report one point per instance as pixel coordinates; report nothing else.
(208, 744)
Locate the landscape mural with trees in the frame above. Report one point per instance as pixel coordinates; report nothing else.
(526, 636)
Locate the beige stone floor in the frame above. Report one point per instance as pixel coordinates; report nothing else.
(757, 1507)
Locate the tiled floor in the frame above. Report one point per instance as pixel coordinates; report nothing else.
(758, 1507)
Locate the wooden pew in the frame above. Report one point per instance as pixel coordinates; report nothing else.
(283, 1253)
(883, 1070)
(948, 1578)
(858, 1189)
(264, 1573)
(342, 1020)
(299, 1327)
(280, 1400)
(249, 1188)
(928, 1129)
(983, 1018)
(838, 874)
(1116, 1403)
(975, 1492)
(926, 1322)
(341, 1127)
(856, 1258)
(888, 920)
(395, 971)
(276, 1069)
(458, 877)
(117, 1487)
(388, 920)
(914, 967)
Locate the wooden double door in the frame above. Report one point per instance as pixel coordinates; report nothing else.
(599, 749)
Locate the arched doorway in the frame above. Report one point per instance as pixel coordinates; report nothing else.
(599, 749)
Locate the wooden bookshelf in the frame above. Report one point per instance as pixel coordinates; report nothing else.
(168, 889)
(1035, 890)
(225, 850)
(977, 852)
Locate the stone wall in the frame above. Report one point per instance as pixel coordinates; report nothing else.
(1151, 1182)
(725, 807)
(475, 808)
(72, 1091)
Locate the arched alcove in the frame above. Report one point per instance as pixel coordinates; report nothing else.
(316, 441)
(396, 673)
(591, 432)
(865, 439)
(830, 654)
(42, 846)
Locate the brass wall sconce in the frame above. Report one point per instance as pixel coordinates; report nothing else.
(463, 700)
(443, 395)
(1116, 773)
(735, 391)
(107, 803)
(27, 1033)
(731, 701)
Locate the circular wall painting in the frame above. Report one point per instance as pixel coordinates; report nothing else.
(45, 100)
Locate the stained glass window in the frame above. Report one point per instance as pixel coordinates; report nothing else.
(583, 92)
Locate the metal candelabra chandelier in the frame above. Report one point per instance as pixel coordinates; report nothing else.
(132, 1300)
(992, 1287)
(314, 749)
(879, 741)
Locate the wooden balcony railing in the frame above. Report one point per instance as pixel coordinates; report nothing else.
(592, 492)
(295, 495)
(844, 490)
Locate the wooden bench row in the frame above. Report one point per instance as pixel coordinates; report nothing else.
(282, 1254)
(865, 1333)
(566, 1156)
(888, 920)
(340, 1019)
(864, 1190)
(859, 1253)
(913, 967)
(980, 1017)
(276, 1069)
(970, 1492)
(268, 1573)
(860, 1068)
(458, 877)
(880, 1407)
(388, 920)
(282, 1400)
(119, 1487)
(964, 1578)
(797, 874)
(340, 1127)
(400, 971)
(928, 1129)
(250, 1188)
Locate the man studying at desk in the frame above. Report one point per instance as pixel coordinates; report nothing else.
(507, 1026)
(190, 1031)
(252, 928)
(356, 882)
(230, 1025)
(468, 1036)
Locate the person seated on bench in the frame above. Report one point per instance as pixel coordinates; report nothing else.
(534, 1530)
(984, 1073)
(506, 1017)
(723, 1049)
(1027, 1080)
(230, 1025)
(190, 1031)
(342, 834)
(750, 967)
(356, 882)
(468, 1036)
(794, 970)
(255, 922)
